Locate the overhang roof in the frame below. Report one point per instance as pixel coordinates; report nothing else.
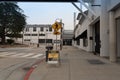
(82, 35)
(80, 17)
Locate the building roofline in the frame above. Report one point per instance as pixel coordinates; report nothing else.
(38, 25)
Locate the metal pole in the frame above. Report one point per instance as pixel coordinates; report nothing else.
(61, 36)
(45, 37)
(81, 11)
(38, 39)
(74, 19)
(81, 1)
(30, 37)
(56, 42)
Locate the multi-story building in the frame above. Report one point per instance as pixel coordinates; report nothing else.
(40, 34)
(99, 31)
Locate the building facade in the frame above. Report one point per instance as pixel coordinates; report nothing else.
(99, 31)
(40, 34)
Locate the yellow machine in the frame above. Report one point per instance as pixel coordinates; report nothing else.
(53, 56)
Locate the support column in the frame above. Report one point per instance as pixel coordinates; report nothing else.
(90, 39)
(112, 39)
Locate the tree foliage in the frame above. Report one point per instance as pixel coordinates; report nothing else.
(12, 20)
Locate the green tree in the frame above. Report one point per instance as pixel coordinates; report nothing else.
(12, 20)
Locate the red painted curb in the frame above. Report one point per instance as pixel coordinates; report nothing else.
(28, 74)
(31, 69)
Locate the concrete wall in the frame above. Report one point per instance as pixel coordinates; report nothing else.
(96, 9)
(117, 16)
(104, 29)
(112, 4)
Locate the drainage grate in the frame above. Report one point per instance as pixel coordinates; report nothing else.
(95, 61)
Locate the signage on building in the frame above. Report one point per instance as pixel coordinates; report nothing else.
(57, 41)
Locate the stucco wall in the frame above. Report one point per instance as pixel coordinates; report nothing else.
(104, 29)
(112, 4)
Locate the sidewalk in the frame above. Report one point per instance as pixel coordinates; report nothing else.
(77, 64)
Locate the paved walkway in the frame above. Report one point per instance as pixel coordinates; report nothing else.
(77, 64)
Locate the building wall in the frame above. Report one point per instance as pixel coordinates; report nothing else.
(34, 39)
(112, 4)
(96, 9)
(104, 29)
(103, 12)
(117, 18)
(81, 28)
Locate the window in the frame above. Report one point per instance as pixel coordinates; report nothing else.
(26, 34)
(34, 28)
(50, 28)
(41, 34)
(48, 40)
(27, 29)
(41, 29)
(26, 39)
(41, 40)
(78, 42)
(34, 34)
(85, 42)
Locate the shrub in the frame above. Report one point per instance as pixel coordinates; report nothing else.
(10, 41)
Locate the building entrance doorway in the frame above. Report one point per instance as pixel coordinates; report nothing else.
(118, 36)
(97, 37)
(67, 42)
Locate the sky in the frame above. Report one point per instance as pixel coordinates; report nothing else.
(47, 13)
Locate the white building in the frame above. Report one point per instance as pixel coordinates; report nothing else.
(40, 34)
(99, 31)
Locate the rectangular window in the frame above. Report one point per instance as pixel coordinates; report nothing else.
(34, 34)
(34, 28)
(50, 28)
(26, 34)
(48, 40)
(41, 29)
(27, 29)
(26, 39)
(85, 42)
(78, 42)
(41, 40)
(41, 34)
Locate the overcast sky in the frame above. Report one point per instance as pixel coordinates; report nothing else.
(47, 13)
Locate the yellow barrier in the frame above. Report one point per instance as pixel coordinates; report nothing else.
(53, 55)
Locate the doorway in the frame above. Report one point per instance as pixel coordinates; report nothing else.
(118, 36)
(97, 37)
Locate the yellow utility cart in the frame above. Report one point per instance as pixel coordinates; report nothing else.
(53, 57)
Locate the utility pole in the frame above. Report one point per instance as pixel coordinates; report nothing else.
(46, 36)
(74, 20)
(38, 40)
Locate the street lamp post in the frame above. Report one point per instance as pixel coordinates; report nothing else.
(46, 36)
(38, 39)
